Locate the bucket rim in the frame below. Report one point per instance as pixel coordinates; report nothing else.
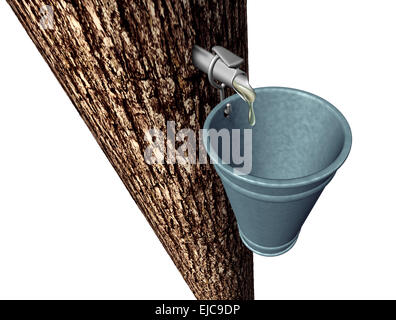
(292, 182)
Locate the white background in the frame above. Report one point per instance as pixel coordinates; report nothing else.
(69, 228)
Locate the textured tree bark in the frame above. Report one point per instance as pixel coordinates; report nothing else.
(126, 66)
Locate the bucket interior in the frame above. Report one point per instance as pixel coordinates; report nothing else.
(296, 134)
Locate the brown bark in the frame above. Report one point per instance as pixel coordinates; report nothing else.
(126, 66)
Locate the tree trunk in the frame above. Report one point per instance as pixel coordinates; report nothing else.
(126, 66)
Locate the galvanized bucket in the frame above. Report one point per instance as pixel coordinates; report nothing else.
(297, 145)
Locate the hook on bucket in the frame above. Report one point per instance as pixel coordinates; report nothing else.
(211, 79)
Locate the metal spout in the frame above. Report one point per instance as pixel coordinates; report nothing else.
(241, 81)
(222, 66)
